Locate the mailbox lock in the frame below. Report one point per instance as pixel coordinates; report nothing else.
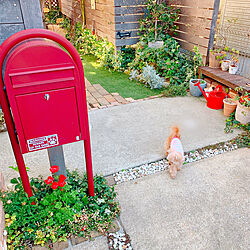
(46, 97)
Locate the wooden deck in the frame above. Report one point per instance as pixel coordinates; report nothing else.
(231, 81)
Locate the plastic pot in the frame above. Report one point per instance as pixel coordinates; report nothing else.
(156, 45)
(225, 65)
(229, 106)
(233, 69)
(242, 114)
(194, 90)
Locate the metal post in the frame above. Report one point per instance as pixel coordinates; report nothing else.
(87, 149)
(213, 26)
(56, 157)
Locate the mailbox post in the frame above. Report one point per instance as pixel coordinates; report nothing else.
(42, 94)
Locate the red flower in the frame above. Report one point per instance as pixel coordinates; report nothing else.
(61, 184)
(62, 178)
(49, 180)
(61, 189)
(54, 185)
(61, 181)
(84, 228)
(54, 169)
(33, 203)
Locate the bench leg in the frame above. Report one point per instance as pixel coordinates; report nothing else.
(199, 74)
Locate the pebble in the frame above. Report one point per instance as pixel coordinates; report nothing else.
(161, 165)
(119, 241)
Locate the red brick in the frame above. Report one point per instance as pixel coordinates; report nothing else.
(109, 98)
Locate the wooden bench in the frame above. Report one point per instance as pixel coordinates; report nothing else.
(223, 77)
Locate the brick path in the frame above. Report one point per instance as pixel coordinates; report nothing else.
(98, 97)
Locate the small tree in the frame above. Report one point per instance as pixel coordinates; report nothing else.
(158, 20)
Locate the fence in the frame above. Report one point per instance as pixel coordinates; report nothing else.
(118, 20)
(234, 31)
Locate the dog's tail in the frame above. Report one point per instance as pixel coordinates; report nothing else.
(175, 132)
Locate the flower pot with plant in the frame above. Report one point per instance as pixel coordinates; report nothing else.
(229, 106)
(242, 113)
(224, 61)
(197, 60)
(234, 63)
(215, 57)
(225, 65)
(159, 20)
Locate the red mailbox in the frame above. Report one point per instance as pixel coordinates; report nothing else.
(43, 95)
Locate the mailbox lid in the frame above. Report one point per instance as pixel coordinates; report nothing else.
(48, 118)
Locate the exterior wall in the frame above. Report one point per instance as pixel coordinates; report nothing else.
(16, 15)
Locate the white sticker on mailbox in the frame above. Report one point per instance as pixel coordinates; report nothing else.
(42, 142)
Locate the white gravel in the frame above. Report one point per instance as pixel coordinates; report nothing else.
(154, 167)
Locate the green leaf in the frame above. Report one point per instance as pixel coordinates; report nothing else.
(14, 181)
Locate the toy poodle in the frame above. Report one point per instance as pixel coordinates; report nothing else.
(174, 152)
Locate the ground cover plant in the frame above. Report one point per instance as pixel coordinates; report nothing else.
(59, 209)
(113, 81)
(231, 123)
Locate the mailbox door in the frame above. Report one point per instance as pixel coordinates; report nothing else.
(49, 118)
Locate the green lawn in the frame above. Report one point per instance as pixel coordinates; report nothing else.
(115, 82)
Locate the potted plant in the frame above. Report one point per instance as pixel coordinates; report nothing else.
(229, 106)
(225, 62)
(242, 113)
(215, 57)
(197, 59)
(159, 20)
(233, 66)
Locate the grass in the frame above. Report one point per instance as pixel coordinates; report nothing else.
(115, 82)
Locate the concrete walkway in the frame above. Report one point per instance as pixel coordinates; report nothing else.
(132, 134)
(205, 207)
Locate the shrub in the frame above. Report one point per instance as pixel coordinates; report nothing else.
(88, 44)
(168, 61)
(175, 90)
(61, 210)
(150, 77)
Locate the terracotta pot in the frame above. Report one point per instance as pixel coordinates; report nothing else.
(242, 114)
(213, 62)
(229, 106)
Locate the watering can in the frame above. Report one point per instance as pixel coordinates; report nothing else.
(214, 98)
